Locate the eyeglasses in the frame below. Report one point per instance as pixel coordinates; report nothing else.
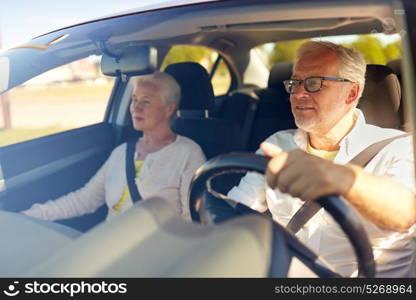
(311, 84)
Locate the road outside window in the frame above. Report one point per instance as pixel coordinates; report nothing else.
(68, 97)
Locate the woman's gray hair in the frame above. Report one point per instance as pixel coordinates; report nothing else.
(169, 88)
(353, 65)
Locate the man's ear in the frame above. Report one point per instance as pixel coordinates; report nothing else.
(353, 94)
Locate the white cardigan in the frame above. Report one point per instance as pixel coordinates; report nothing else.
(165, 173)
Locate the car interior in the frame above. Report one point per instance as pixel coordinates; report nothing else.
(134, 44)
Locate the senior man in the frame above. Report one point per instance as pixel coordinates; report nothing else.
(312, 161)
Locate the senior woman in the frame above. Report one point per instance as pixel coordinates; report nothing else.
(165, 162)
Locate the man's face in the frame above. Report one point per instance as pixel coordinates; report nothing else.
(148, 109)
(320, 111)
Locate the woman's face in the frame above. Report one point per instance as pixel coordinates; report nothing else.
(148, 109)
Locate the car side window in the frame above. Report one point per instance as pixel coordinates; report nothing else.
(210, 59)
(64, 98)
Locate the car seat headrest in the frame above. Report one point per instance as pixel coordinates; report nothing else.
(195, 83)
(380, 101)
(395, 65)
(279, 72)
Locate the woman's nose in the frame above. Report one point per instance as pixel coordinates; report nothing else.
(136, 105)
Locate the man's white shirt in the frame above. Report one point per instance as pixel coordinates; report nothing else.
(393, 251)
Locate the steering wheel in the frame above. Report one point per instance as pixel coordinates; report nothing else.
(243, 162)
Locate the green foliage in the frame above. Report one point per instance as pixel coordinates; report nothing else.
(373, 50)
(187, 53)
(371, 47)
(393, 50)
(285, 51)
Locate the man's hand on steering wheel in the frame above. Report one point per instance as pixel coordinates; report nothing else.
(306, 176)
(348, 220)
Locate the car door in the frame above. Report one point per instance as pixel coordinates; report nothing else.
(68, 108)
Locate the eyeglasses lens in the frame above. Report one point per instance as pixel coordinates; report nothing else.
(313, 84)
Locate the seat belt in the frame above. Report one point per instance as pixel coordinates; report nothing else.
(310, 208)
(365, 156)
(249, 119)
(131, 171)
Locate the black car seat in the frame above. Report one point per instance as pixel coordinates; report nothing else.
(215, 136)
(396, 66)
(261, 113)
(381, 98)
(274, 112)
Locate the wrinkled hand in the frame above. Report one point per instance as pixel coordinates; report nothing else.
(303, 175)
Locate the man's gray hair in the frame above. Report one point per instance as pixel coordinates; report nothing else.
(170, 89)
(353, 65)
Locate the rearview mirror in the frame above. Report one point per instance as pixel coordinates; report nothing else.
(132, 61)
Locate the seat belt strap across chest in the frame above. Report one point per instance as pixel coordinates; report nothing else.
(365, 156)
(310, 208)
(248, 122)
(131, 172)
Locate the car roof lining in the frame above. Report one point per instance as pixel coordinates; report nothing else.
(271, 22)
(295, 25)
(225, 21)
(276, 18)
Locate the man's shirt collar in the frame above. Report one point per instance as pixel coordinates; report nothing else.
(359, 138)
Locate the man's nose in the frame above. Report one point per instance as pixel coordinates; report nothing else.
(299, 91)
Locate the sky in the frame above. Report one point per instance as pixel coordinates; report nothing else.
(21, 20)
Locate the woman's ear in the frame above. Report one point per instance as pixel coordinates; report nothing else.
(171, 109)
